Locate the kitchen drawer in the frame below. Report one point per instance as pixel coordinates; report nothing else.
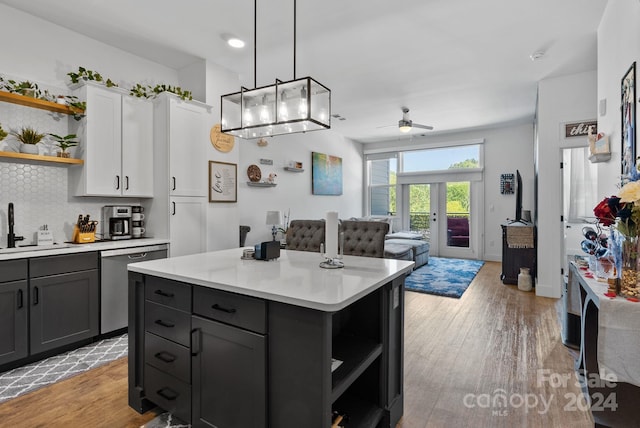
(167, 292)
(167, 356)
(169, 323)
(242, 311)
(65, 263)
(13, 270)
(167, 392)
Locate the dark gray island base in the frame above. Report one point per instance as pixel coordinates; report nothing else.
(215, 357)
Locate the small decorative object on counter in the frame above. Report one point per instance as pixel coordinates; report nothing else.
(44, 237)
(524, 279)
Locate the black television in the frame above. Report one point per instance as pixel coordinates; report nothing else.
(518, 197)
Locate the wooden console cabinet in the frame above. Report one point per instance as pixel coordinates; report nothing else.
(515, 258)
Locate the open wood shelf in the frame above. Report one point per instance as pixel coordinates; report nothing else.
(22, 100)
(260, 184)
(40, 158)
(290, 169)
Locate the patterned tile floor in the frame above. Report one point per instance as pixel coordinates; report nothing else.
(45, 372)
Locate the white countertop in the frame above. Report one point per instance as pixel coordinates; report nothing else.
(295, 278)
(67, 248)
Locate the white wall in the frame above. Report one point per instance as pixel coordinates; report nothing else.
(293, 191)
(618, 48)
(506, 149)
(561, 100)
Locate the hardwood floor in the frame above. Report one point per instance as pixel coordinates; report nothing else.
(457, 351)
(460, 354)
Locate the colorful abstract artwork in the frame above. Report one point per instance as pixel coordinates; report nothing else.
(326, 172)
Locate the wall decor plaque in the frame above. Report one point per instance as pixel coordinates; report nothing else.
(220, 141)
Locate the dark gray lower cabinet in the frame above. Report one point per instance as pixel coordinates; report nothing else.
(64, 300)
(229, 376)
(13, 311)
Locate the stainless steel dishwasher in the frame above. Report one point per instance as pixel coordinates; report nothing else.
(114, 282)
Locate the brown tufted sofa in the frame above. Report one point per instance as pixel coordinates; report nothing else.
(364, 238)
(305, 235)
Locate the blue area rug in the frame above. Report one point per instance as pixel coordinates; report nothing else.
(443, 277)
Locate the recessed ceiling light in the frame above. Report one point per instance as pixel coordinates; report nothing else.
(233, 41)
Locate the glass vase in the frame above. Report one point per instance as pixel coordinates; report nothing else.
(630, 273)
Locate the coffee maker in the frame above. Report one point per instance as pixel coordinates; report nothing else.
(116, 222)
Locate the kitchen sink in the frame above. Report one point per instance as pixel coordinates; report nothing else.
(32, 247)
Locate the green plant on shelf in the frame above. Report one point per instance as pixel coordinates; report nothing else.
(148, 91)
(3, 133)
(28, 135)
(65, 142)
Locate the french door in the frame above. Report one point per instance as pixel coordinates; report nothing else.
(443, 213)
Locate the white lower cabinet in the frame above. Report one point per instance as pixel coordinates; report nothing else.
(187, 225)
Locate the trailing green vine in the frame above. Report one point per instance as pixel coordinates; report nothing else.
(90, 75)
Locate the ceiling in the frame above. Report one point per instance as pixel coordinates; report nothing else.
(456, 64)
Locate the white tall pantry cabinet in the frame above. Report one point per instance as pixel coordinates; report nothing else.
(179, 207)
(116, 144)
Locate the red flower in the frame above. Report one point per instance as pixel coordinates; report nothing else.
(603, 212)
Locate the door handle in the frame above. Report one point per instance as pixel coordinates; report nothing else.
(117, 182)
(137, 256)
(195, 341)
(126, 180)
(223, 309)
(173, 204)
(163, 293)
(173, 179)
(165, 356)
(167, 394)
(20, 301)
(36, 296)
(165, 324)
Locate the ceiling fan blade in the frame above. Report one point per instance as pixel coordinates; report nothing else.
(417, 125)
(385, 126)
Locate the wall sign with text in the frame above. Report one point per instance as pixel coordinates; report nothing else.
(580, 129)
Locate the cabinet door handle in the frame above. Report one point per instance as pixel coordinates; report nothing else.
(167, 394)
(223, 309)
(173, 204)
(163, 293)
(165, 357)
(173, 180)
(138, 257)
(165, 324)
(117, 182)
(35, 296)
(20, 302)
(126, 180)
(195, 341)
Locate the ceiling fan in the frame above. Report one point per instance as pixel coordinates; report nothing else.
(405, 124)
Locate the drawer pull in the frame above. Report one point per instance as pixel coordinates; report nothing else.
(165, 357)
(163, 293)
(165, 324)
(223, 309)
(167, 394)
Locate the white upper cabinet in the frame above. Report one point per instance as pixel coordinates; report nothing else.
(187, 141)
(137, 147)
(116, 143)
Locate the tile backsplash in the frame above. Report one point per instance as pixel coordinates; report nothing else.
(40, 196)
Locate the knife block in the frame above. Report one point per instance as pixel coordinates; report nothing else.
(82, 237)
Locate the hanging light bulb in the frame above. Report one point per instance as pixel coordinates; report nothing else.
(283, 110)
(302, 109)
(264, 110)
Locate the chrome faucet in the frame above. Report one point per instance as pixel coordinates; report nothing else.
(11, 237)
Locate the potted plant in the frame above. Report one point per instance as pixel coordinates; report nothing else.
(64, 143)
(3, 133)
(29, 137)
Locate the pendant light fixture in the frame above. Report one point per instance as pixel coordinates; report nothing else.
(298, 105)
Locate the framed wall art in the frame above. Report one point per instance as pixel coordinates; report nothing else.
(628, 122)
(223, 182)
(326, 174)
(507, 184)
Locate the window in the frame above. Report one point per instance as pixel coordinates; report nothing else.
(382, 185)
(456, 157)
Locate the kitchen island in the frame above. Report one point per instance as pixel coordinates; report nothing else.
(221, 341)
